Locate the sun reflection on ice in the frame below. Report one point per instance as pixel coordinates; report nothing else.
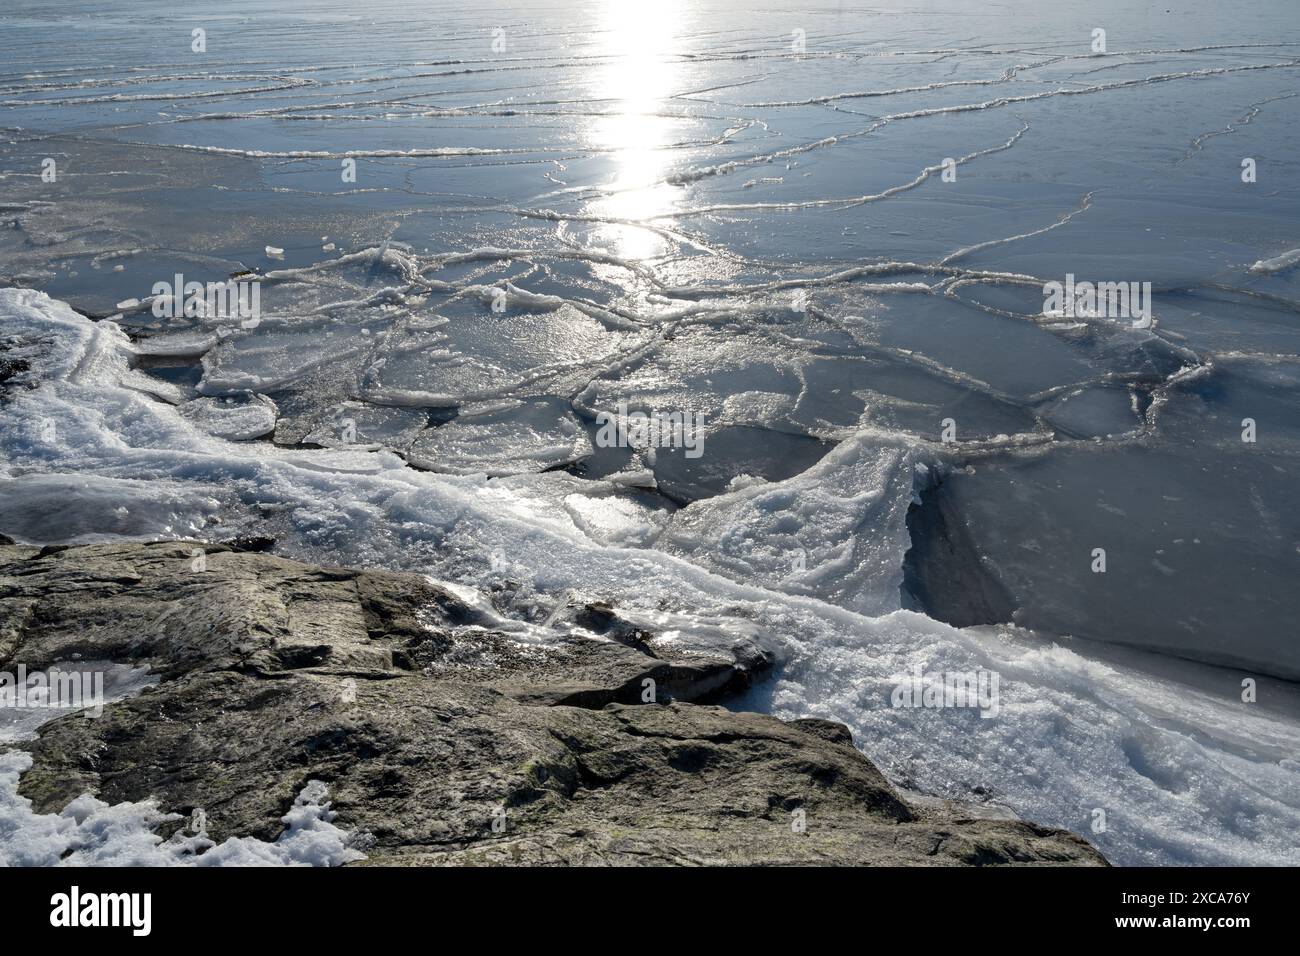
(638, 41)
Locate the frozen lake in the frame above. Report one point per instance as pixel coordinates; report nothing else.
(824, 239)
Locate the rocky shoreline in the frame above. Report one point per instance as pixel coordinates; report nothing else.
(444, 735)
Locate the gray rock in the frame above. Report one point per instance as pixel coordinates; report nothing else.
(444, 737)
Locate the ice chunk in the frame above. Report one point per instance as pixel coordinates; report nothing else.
(1278, 263)
(238, 418)
(834, 531)
(503, 438)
